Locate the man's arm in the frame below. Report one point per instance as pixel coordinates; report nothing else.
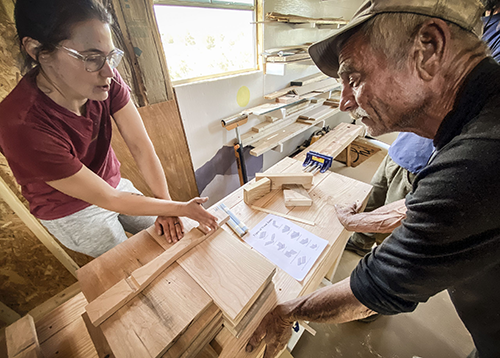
(382, 220)
(333, 304)
(131, 127)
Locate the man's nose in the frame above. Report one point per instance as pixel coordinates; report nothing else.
(347, 100)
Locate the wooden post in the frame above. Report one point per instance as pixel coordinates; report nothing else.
(34, 225)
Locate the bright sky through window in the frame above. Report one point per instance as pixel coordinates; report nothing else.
(206, 41)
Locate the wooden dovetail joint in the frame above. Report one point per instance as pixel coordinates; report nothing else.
(125, 290)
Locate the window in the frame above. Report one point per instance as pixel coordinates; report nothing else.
(207, 37)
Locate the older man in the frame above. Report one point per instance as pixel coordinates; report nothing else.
(419, 66)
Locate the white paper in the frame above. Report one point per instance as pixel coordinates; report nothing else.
(287, 245)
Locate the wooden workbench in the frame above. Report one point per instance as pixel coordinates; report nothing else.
(62, 333)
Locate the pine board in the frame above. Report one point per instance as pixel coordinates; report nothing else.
(231, 273)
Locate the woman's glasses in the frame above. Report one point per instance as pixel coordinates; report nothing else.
(95, 62)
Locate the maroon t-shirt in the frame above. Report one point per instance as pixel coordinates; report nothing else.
(43, 141)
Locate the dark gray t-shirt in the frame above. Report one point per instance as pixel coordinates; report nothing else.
(450, 239)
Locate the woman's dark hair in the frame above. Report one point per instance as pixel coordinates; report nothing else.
(50, 22)
(491, 5)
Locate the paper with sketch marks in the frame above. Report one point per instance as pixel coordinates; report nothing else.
(287, 245)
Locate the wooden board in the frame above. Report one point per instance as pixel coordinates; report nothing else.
(165, 128)
(231, 273)
(98, 339)
(149, 324)
(296, 195)
(256, 190)
(278, 180)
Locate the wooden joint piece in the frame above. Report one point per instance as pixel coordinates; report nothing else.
(255, 191)
(278, 180)
(296, 195)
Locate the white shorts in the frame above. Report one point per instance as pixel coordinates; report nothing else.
(94, 230)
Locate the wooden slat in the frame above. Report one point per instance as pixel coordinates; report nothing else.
(51, 304)
(334, 141)
(149, 324)
(98, 339)
(231, 273)
(165, 128)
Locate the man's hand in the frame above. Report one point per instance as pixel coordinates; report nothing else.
(171, 226)
(275, 330)
(347, 215)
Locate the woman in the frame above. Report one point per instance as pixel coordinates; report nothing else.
(55, 131)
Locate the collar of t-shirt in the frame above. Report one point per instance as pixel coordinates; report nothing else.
(478, 88)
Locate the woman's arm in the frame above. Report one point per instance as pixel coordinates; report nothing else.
(88, 186)
(131, 127)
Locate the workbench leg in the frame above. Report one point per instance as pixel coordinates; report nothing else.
(34, 225)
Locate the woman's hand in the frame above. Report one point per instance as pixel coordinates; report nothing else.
(195, 211)
(171, 226)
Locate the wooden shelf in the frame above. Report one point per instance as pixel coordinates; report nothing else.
(277, 138)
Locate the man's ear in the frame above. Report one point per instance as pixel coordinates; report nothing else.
(430, 45)
(32, 47)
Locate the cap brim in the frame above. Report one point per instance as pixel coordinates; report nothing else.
(325, 53)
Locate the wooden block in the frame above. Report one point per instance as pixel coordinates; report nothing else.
(255, 191)
(22, 340)
(288, 98)
(296, 195)
(278, 180)
(233, 274)
(152, 321)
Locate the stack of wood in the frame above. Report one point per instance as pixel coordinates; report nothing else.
(173, 304)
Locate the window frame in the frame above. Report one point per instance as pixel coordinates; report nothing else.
(208, 4)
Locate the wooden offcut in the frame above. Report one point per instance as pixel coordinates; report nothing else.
(255, 191)
(296, 195)
(22, 340)
(231, 273)
(278, 180)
